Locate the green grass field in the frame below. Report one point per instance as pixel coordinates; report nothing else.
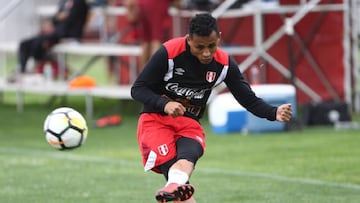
(312, 165)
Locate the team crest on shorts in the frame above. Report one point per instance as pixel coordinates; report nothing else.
(210, 76)
(163, 149)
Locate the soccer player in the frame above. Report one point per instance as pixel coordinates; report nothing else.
(174, 87)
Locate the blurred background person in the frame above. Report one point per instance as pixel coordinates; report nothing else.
(154, 21)
(68, 22)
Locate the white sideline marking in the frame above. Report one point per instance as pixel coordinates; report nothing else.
(281, 178)
(65, 155)
(73, 157)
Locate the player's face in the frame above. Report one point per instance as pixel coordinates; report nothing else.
(204, 47)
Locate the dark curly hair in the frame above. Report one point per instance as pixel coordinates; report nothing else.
(203, 24)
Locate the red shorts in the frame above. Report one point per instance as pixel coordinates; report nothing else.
(157, 135)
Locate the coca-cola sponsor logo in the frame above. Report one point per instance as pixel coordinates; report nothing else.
(185, 91)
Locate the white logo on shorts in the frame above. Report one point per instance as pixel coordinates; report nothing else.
(163, 149)
(150, 162)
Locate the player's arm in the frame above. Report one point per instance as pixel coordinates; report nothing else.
(147, 87)
(243, 93)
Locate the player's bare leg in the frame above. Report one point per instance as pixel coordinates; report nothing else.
(145, 46)
(154, 46)
(184, 166)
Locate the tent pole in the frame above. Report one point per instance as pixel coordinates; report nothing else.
(347, 57)
(355, 6)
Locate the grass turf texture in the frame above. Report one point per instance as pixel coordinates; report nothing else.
(316, 164)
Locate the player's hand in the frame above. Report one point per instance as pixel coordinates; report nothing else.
(284, 113)
(174, 109)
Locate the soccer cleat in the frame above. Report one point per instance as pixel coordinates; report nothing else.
(174, 192)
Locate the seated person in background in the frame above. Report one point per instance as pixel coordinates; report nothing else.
(68, 22)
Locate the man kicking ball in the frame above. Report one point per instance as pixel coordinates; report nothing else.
(174, 87)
